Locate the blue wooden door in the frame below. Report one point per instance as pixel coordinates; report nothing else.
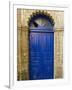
(41, 62)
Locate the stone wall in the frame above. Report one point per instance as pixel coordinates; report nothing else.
(23, 17)
(58, 54)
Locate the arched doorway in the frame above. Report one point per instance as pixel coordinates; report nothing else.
(41, 47)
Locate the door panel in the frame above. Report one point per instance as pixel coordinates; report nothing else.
(41, 63)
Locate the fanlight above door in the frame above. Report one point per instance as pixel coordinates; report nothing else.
(41, 22)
